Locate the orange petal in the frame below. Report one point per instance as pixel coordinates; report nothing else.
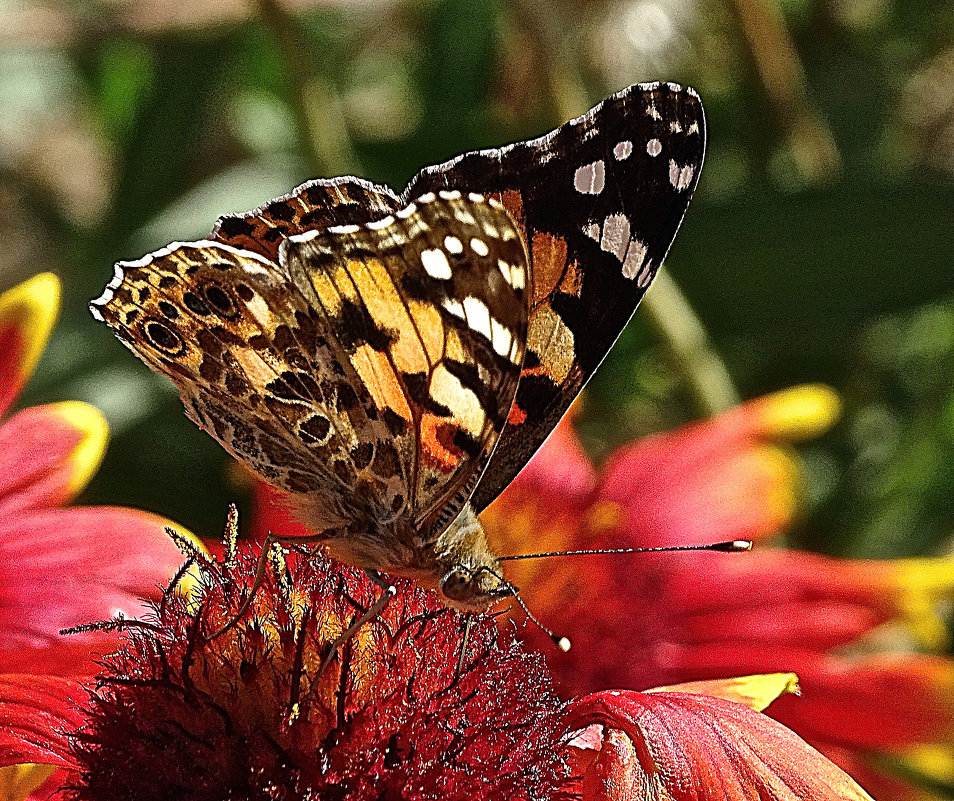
(17, 782)
(28, 312)
(48, 454)
(683, 747)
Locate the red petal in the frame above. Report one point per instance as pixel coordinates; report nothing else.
(272, 513)
(885, 703)
(687, 747)
(35, 714)
(66, 567)
(27, 315)
(48, 454)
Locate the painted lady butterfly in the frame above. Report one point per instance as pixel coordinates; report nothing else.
(393, 361)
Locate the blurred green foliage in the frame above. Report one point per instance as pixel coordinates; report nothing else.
(818, 247)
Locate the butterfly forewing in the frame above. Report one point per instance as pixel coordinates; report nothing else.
(430, 309)
(599, 201)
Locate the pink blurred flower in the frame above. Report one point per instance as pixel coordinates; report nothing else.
(60, 566)
(659, 619)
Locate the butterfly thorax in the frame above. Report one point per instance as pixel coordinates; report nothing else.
(458, 564)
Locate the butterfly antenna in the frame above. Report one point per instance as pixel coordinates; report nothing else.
(728, 546)
(561, 641)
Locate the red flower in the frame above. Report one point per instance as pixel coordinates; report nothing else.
(268, 710)
(59, 567)
(653, 619)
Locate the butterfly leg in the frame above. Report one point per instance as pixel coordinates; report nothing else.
(377, 578)
(458, 671)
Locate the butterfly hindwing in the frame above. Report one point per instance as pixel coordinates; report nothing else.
(314, 205)
(370, 369)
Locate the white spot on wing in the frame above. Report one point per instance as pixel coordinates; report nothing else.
(478, 316)
(384, 222)
(645, 275)
(512, 273)
(436, 264)
(654, 147)
(343, 229)
(500, 338)
(680, 177)
(479, 246)
(454, 307)
(449, 194)
(623, 150)
(615, 238)
(635, 258)
(590, 178)
(453, 245)
(407, 211)
(592, 230)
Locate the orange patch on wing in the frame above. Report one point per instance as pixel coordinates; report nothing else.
(430, 327)
(383, 385)
(389, 312)
(513, 202)
(572, 283)
(437, 448)
(455, 349)
(548, 255)
(517, 416)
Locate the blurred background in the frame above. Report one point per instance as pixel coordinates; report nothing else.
(818, 246)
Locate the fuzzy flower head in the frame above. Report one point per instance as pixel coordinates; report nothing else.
(267, 710)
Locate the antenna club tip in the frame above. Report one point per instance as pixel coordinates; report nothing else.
(735, 545)
(563, 643)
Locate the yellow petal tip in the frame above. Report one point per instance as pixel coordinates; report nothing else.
(88, 453)
(17, 782)
(755, 692)
(800, 412)
(31, 308)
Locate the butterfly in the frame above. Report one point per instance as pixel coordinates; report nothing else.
(392, 361)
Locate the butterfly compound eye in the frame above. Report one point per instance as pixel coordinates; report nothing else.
(457, 584)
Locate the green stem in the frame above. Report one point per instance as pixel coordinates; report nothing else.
(775, 57)
(317, 108)
(689, 346)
